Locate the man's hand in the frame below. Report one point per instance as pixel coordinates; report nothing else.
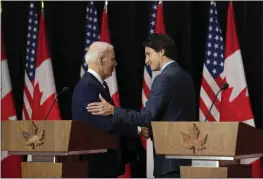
(145, 132)
(101, 108)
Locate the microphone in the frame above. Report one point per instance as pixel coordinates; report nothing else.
(224, 86)
(61, 91)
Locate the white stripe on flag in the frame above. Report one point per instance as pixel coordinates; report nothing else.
(211, 82)
(147, 79)
(150, 161)
(29, 85)
(27, 106)
(201, 115)
(208, 103)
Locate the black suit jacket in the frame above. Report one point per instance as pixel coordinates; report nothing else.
(172, 98)
(111, 163)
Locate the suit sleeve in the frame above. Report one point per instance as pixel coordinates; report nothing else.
(154, 108)
(105, 123)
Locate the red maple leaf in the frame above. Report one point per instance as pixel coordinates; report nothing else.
(39, 112)
(237, 110)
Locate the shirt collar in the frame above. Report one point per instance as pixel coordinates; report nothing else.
(165, 65)
(96, 75)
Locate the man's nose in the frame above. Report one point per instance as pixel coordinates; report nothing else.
(146, 60)
(115, 63)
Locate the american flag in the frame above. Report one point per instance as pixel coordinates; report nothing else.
(225, 65)
(39, 89)
(156, 25)
(30, 67)
(91, 32)
(147, 80)
(213, 68)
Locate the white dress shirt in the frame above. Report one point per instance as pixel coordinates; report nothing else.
(96, 75)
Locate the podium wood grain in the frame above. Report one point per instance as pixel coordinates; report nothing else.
(223, 139)
(60, 136)
(55, 170)
(231, 171)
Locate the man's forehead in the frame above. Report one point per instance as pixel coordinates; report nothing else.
(148, 49)
(111, 51)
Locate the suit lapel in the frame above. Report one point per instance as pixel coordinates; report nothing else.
(104, 91)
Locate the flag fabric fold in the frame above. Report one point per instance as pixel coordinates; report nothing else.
(10, 164)
(112, 80)
(225, 65)
(105, 37)
(212, 69)
(92, 35)
(91, 32)
(235, 100)
(39, 88)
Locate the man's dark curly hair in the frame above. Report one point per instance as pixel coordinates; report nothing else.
(160, 41)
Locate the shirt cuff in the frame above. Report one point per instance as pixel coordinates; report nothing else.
(139, 129)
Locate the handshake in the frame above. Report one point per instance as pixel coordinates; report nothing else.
(144, 132)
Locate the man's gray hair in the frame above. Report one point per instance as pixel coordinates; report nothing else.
(99, 50)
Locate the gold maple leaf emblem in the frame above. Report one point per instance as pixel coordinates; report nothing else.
(193, 141)
(34, 136)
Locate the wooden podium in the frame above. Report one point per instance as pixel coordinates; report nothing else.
(54, 146)
(215, 148)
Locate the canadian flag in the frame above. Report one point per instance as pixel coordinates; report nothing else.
(40, 89)
(112, 80)
(105, 37)
(235, 100)
(10, 164)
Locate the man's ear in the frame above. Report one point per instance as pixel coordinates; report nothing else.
(99, 61)
(162, 52)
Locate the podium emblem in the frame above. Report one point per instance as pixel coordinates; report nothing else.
(34, 136)
(193, 140)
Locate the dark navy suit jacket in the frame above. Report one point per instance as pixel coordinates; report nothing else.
(85, 92)
(172, 98)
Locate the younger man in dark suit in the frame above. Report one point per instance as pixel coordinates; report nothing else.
(172, 98)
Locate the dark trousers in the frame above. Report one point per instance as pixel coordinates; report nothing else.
(169, 175)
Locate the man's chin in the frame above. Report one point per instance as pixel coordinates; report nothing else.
(154, 69)
(108, 76)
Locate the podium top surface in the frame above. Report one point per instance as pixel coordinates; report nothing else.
(193, 139)
(58, 136)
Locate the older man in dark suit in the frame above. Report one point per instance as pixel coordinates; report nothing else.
(172, 98)
(101, 63)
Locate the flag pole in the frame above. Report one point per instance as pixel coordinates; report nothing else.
(42, 4)
(106, 6)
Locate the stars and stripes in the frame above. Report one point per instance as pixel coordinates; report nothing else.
(30, 66)
(213, 68)
(39, 89)
(225, 65)
(91, 31)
